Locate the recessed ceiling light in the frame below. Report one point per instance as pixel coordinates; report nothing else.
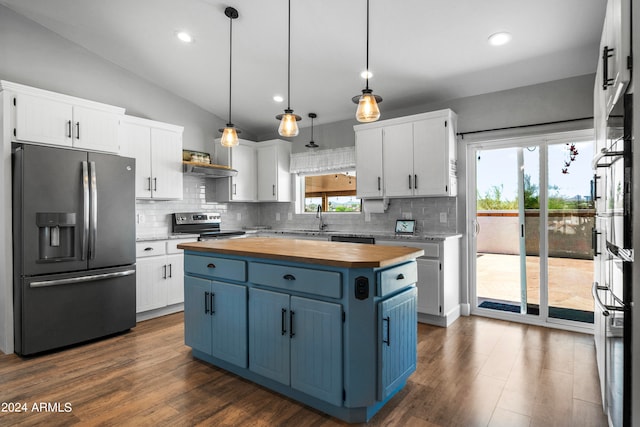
(366, 74)
(278, 98)
(184, 36)
(499, 39)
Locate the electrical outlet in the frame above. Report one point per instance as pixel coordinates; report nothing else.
(277, 216)
(443, 217)
(407, 215)
(290, 216)
(239, 216)
(367, 217)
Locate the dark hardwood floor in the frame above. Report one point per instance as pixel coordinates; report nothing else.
(477, 372)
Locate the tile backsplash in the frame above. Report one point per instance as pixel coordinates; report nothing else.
(153, 218)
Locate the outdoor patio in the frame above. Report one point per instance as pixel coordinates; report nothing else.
(570, 279)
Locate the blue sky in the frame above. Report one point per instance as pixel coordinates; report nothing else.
(499, 167)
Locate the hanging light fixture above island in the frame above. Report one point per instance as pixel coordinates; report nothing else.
(368, 110)
(230, 133)
(288, 121)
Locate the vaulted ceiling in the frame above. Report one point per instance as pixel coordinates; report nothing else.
(420, 50)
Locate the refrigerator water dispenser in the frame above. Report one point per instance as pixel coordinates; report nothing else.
(56, 235)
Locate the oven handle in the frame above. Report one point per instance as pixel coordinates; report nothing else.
(80, 279)
(604, 307)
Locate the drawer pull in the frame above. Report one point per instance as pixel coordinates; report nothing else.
(289, 277)
(400, 277)
(148, 249)
(211, 265)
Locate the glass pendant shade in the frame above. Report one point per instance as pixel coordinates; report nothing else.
(368, 110)
(288, 125)
(229, 137)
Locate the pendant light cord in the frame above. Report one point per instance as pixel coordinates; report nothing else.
(289, 59)
(311, 129)
(230, 57)
(367, 69)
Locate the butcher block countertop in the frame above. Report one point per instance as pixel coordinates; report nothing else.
(337, 254)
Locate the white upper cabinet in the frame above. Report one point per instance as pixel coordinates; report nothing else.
(413, 156)
(274, 179)
(397, 154)
(615, 52)
(244, 186)
(45, 117)
(157, 148)
(369, 163)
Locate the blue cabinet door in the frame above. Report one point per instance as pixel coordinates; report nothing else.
(316, 349)
(229, 322)
(397, 339)
(269, 334)
(197, 319)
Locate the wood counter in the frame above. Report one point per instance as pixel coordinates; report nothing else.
(336, 254)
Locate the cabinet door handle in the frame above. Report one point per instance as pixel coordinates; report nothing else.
(77, 130)
(155, 184)
(289, 277)
(69, 129)
(283, 320)
(234, 189)
(164, 271)
(170, 273)
(409, 182)
(149, 183)
(606, 54)
(291, 314)
(212, 310)
(211, 265)
(378, 183)
(415, 182)
(274, 189)
(388, 340)
(206, 303)
(400, 277)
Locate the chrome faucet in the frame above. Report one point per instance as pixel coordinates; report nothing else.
(321, 225)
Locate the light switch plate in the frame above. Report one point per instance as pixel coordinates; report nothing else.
(277, 216)
(443, 217)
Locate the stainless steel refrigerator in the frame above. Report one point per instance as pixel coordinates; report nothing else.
(73, 246)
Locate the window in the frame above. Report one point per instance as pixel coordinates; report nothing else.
(335, 192)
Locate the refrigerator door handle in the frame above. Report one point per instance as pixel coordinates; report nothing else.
(80, 279)
(94, 212)
(85, 211)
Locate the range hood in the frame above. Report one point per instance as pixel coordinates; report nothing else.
(208, 170)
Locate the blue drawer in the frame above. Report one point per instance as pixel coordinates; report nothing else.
(307, 280)
(216, 268)
(397, 278)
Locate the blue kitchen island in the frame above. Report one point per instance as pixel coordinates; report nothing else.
(332, 325)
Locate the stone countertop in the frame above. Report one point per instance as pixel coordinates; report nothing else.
(172, 236)
(335, 254)
(376, 235)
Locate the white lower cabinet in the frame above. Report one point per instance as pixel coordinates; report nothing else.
(438, 279)
(159, 275)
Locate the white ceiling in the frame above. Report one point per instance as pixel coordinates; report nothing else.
(421, 51)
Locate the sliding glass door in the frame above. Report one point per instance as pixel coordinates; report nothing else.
(532, 218)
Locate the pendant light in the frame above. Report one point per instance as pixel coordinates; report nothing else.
(312, 145)
(288, 121)
(368, 110)
(230, 133)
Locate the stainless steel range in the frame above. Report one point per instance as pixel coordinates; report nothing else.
(206, 224)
